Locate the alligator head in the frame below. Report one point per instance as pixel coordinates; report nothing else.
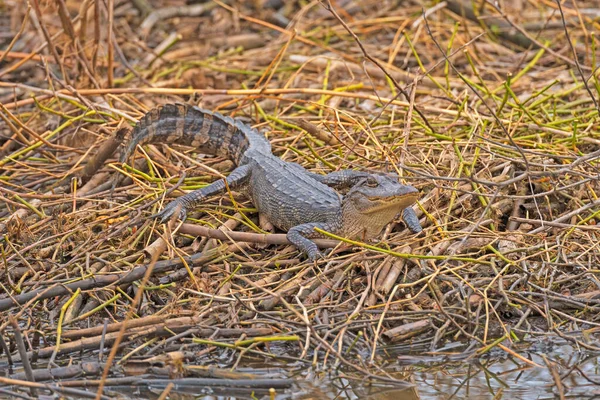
(374, 202)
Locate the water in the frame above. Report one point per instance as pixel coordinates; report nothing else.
(448, 373)
(496, 375)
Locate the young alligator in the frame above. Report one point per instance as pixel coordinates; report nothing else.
(291, 198)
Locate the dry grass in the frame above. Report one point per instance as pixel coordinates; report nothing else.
(495, 120)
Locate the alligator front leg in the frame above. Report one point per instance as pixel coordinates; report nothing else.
(236, 178)
(411, 220)
(299, 236)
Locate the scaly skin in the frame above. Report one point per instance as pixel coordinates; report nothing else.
(290, 197)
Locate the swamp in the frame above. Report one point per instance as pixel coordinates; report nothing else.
(488, 108)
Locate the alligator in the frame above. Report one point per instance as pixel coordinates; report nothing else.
(290, 197)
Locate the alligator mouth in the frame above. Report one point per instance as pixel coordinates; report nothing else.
(403, 200)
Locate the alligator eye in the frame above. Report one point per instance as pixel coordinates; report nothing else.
(372, 182)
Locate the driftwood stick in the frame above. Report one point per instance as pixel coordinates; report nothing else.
(173, 323)
(273, 238)
(97, 330)
(23, 352)
(72, 371)
(165, 329)
(105, 151)
(75, 393)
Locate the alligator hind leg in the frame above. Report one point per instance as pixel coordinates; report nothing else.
(236, 178)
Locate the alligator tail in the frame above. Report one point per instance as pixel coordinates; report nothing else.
(209, 132)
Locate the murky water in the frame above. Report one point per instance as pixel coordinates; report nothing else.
(445, 374)
(493, 376)
(508, 378)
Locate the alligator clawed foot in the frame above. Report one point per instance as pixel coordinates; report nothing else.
(314, 255)
(171, 209)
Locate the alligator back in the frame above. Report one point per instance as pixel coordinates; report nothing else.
(210, 132)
